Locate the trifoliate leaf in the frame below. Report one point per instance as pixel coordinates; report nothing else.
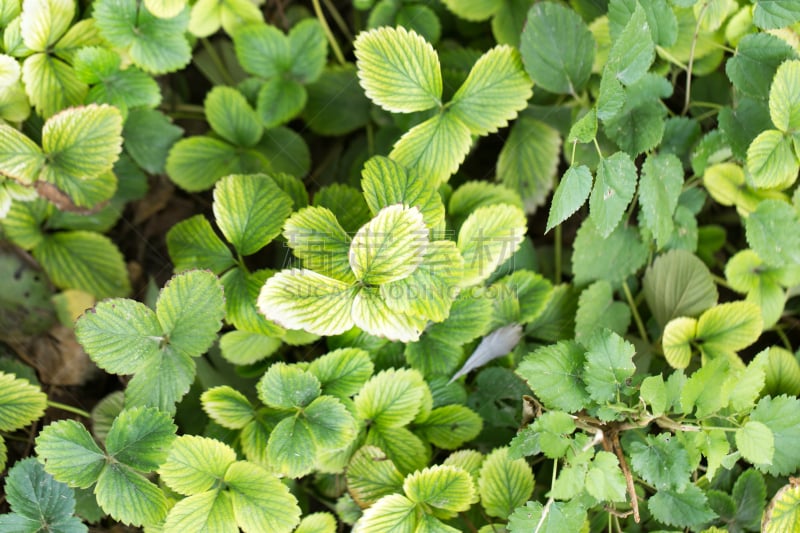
(192, 243)
(372, 314)
(398, 70)
(782, 416)
(51, 84)
(678, 284)
(688, 508)
(129, 497)
(317, 238)
(148, 136)
(156, 45)
(659, 189)
(613, 258)
(161, 381)
(287, 387)
(308, 49)
(393, 512)
(771, 160)
(227, 407)
(229, 114)
(633, 51)
(20, 402)
(435, 148)
(122, 88)
(280, 100)
(443, 487)
(140, 438)
(488, 237)
(195, 464)
(609, 363)
(346, 203)
(250, 210)
(39, 501)
(331, 424)
(755, 442)
(262, 50)
(207, 511)
(190, 309)
(559, 65)
(371, 475)
(773, 232)
(84, 260)
(554, 374)
(291, 449)
(496, 89)
(207, 15)
(571, 194)
(196, 163)
(450, 426)
(528, 161)
(783, 510)
(390, 247)
(303, 299)
(753, 67)
(387, 183)
(504, 484)
(613, 191)
(44, 22)
(597, 310)
(342, 372)
(260, 501)
(70, 454)
(391, 398)
(662, 461)
(729, 327)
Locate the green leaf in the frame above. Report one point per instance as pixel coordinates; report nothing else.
(165, 8)
(473, 10)
(571, 194)
(391, 513)
(613, 259)
(37, 498)
(280, 100)
(260, 501)
(755, 442)
(371, 475)
(342, 372)
(43, 23)
(748, 383)
(250, 210)
(688, 508)
(192, 243)
(372, 314)
(317, 523)
(334, 106)
(771, 160)
(229, 114)
(291, 449)
(190, 309)
(390, 247)
(129, 497)
(391, 398)
(584, 130)
(604, 480)
(597, 311)
(161, 381)
(488, 237)
(51, 84)
(148, 136)
(757, 58)
(560, 517)
(554, 374)
(782, 416)
(207, 511)
(633, 51)
(609, 364)
(496, 89)
(450, 426)
(435, 148)
(21, 158)
(729, 327)
(528, 161)
(662, 461)
(782, 373)
(20, 402)
(769, 14)
(84, 260)
(386, 183)
(331, 424)
(227, 407)
(287, 387)
(443, 487)
(708, 389)
(398, 70)
(70, 454)
(504, 484)
(612, 192)
(140, 438)
(659, 189)
(678, 334)
(317, 238)
(156, 45)
(474, 194)
(559, 65)
(196, 163)
(678, 284)
(783, 511)
(308, 49)
(105, 412)
(195, 464)
(303, 299)
(773, 232)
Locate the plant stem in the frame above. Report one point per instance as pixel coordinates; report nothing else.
(784, 338)
(557, 254)
(339, 20)
(331, 39)
(69, 408)
(635, 311)
(688, 97)
(546, 509)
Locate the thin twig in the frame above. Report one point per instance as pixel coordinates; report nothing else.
(691, 59)
(626, 471)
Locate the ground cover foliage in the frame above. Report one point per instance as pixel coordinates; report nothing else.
(398, 265)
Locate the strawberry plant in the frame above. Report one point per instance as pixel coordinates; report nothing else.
(400, 266)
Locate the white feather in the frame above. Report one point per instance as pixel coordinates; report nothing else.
(496, 344)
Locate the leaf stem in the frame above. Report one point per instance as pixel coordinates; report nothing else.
(635, 311)
(212, 53)
(597, 147)
(339, 20)
(689, 67)
(69, 408)
(557, 254)
(722, 282)
(328, 33)
(784, 338)
(550, 500)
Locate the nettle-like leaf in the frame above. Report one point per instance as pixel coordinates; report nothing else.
(252, 499)
(137, 443)
(771, 233)
(597, 311)
(554, 373)
(570, 195)
(560, 516)
(612, 192)
(125, 337)
(38, 502)
(779, 415)
(609, 363)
